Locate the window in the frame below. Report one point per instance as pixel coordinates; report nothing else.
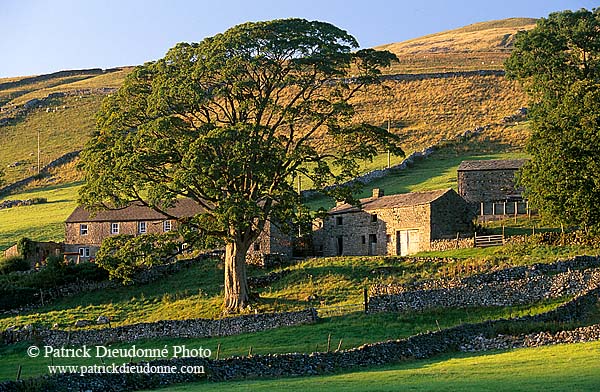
(256, 246)
(363, 239)
(84, 252)
(142, 229)
(167, 226)
(374, 218)
(83, 229)
(339, 220)
(388, 238)
(114, 228)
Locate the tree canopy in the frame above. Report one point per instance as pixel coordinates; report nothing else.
(230, 122)
(559, 64)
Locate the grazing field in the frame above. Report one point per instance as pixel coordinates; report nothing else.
(40, 222)
(553, 368)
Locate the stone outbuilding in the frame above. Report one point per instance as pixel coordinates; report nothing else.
(272, 247)
(399, 224)
(489, 181)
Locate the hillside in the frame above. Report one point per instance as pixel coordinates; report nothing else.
(478, 46)
(60, 106)
(423, 109)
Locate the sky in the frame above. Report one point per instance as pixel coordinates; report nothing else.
(44, 36)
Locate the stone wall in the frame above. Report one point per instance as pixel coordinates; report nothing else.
(194, 328)
(503, 288)
(45, 171)
(419, 346)
(444, 245)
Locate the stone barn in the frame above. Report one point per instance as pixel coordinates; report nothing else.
(271, 247)
(399, 224)
(489, 181)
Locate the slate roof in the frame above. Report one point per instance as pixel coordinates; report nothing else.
(392, 201)
(492, 164)
(135, 212)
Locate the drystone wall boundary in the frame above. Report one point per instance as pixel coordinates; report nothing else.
(419, 346)
(194, 328)
(513, 286)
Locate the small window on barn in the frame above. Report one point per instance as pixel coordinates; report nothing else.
(374, 218)
(388, 238)
(167, 226)
(256, 246)
(142, 228)
(83, 229)
(339, 220)
(363, 239)
(114, 228)
(84, 252)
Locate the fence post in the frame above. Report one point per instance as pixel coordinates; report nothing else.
(366, 300)
(475, 240)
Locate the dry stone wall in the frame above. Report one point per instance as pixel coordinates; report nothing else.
(419, 346)
(514, 286)
(195, 328)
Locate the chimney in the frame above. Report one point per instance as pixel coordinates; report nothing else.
(377, 193)
(339, 203)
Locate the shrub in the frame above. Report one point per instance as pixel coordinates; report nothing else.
(13, 264)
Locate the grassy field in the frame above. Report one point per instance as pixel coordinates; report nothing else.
(41, 222)
(435, 172)
(553, 368)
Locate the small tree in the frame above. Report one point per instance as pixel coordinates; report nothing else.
(558, 62)
(230, 122)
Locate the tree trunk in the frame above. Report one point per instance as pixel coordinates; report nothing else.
(236, 283)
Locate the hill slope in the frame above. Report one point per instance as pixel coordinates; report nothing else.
(423, 109)
(478, 46)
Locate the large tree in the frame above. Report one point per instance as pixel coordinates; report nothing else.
(230, 122)
(559, 64)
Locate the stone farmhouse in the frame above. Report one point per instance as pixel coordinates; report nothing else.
(84, 231)
(400, 224)
(489, 181)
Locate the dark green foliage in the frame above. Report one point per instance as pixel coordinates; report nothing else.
(22, 289)
(124, 255)
(13, 264)
(231, 122)
(559, 65)
(25, 247)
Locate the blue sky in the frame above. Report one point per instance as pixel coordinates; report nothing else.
(43, 36)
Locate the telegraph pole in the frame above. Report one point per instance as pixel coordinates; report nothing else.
(388, 166)
(38, 152)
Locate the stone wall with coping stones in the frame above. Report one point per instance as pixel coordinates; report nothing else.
(515, 286)
(419, 346)
(195, 328)
(444, 245)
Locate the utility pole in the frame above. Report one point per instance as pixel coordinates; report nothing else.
(388, 166)
(38, 152)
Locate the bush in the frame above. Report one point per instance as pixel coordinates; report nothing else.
(13, 264)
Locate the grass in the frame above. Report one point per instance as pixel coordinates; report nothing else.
(436, 172)
(40, 222)
(572, 367)
(478, 46)
(304, 338)
(62, 131)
